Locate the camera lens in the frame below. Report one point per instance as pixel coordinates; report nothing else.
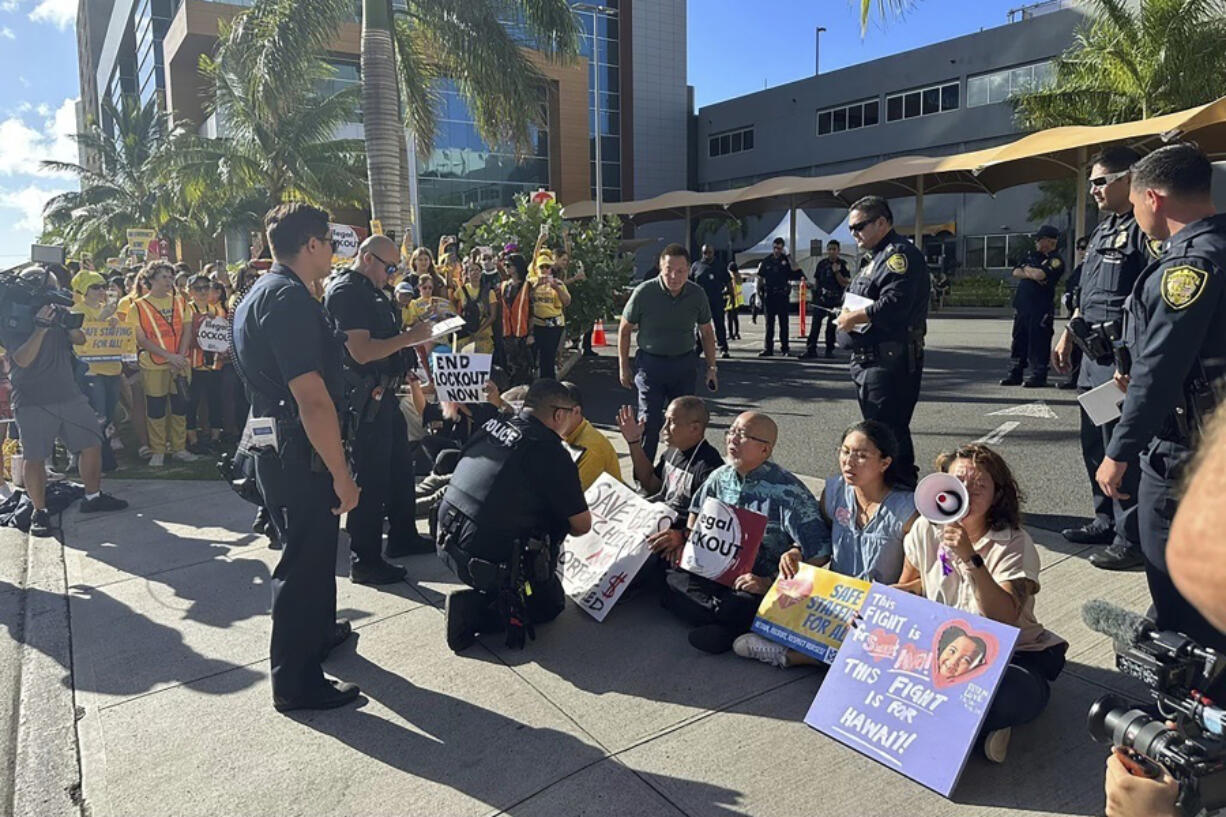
(1110, 722)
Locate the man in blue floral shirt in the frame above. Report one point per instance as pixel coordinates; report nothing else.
(752, 482)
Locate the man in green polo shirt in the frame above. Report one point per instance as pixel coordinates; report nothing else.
(665, 311)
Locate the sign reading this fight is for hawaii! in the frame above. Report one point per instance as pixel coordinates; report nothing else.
(912, 684)
(812, 611)
(724, 542)
(460, 378)
(596, 567)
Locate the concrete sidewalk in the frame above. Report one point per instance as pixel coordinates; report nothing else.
(169, 656)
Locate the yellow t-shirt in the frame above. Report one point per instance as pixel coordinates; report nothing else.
(165, 306)
(124, 307)
(547, 309)
(421, 307)
(483, 341)
(107, 367)
(596, 454)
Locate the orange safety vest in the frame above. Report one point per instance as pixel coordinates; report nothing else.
(198, 354)
(517, 315)
(157, 329)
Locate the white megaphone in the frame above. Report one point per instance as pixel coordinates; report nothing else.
(942, 499)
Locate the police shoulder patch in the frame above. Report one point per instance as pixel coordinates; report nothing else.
(1182, 285)
(1056, 263)
(896, 262)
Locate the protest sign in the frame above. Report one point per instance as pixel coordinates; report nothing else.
(724, 543)
(596, 568)
(912, 684)
(460, 378)
(213, 335)
(142, 243)
(104, 343)
(348, 238)
(812, 611)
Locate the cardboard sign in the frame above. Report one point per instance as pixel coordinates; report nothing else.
(724, 542)
(812, 611)
(460, 378)
(143, 244)
(912, 684)
(213, 335)
(596, 568)
(105, 343)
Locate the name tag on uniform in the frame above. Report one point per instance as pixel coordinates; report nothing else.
(260, 433)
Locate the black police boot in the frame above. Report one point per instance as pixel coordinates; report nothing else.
(809, 354)
(414, 545)
(1118, 557)
(829, 354)
(766, 353)
(1035, 382)
(1097, 532)
(1066, 385)
(341, 631)
(463, 611)
(376, 572)
(1014, 378)
(334, 694)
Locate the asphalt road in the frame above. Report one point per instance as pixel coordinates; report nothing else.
(813, 401)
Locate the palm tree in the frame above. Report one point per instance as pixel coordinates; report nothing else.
(885, 8)
(381, 116)
(1133, 61)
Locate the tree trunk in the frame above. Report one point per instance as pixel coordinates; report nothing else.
(381, 115)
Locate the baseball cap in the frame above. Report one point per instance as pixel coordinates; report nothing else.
(1047, 231)
(82, 281)
(404, 288)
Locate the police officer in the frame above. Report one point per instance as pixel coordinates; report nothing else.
(289, 357)
(775, 276)
(830, 281)
(514, 496)
(1177, 342)
(1034, 310)
(1072, 300)
(376, 365)
(716, 281)
(887, 356)
(1115, 256)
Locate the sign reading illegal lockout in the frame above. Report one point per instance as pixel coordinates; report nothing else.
(724, 543)
(461, 378)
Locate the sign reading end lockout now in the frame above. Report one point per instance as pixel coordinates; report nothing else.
(461, 378)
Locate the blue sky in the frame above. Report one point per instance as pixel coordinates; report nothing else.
(733, 47)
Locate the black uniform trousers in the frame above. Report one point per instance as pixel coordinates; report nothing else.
(1162, 467)
(304, 580)
(888, 390)
(721, 331)
(659, 380)
(776, 306)
(1118, 514)
(829, 315)
(383, 465)
(1032, 333)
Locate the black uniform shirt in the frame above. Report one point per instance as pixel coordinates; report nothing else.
(1035, 296)
(1176, 331)
(776, 275)
(1115, 256)
(281, 332)
(825, 277)
(897, 281)
(681, 474)
(354, 303)
(713, 279)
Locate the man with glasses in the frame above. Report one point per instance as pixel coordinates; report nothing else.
(513, 498)
(775, 276)
(376, 364)
(1116, 254)
(886, 337)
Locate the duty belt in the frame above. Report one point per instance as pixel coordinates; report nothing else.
(871, 355)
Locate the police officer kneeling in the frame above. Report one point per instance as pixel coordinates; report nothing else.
(514, 496)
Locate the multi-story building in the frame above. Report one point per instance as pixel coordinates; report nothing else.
(152, 47)
(941, 99)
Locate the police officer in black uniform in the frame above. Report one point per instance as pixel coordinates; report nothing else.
(1034, 310)
(289, 357)
(716, 281)
(775, 276)
(1176, 338)
(514, 496)
(1116, 254)
(887, 358)
(376, 364)
(830, 281)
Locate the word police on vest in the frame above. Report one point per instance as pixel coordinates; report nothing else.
(942, 499)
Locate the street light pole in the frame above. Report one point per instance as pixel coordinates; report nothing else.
(596, 12)
(817, 55)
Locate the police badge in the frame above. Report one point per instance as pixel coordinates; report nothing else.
(1121, 238)
(1181, 286)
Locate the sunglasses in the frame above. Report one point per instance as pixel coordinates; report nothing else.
(859, 226)
(1103, 181)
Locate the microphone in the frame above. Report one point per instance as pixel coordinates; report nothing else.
(1124, 626)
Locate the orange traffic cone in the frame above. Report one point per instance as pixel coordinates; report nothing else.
(598, 338)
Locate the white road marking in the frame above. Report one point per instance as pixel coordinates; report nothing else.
(996, 435)
(1037, 409)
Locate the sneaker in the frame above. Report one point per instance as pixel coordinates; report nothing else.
(157, 460)
(116, 444)
(752, 645)
(102, 502)
(1097, 532)
(40, 524)
(996, 744)
(184, 456)
(1118, 556)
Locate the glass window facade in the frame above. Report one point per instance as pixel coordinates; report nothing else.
(150, 21)
(995, 251)
(599, 37)
(721, 144)
(847, 117)
(922, 102)
(998, 86)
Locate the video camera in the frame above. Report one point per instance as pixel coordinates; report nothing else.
(1175, 668)
(22, 296)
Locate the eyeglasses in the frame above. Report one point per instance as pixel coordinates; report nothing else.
(330, 241)
(564, 408)
(859, 226)
(740, 435)
(1103, 181)
(856, 454)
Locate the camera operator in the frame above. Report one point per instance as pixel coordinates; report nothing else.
(48, 403)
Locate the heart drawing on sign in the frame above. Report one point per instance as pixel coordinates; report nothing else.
(881, 645)
(793, 591)
(961, 653)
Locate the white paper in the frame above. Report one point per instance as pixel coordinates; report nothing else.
(853, 303)
(1102, 404)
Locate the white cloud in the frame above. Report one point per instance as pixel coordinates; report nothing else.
(7, 33)
(28, 202)
(25, 146)
(60, 13)
(9, 5)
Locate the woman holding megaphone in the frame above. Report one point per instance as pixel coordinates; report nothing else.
(970, 552)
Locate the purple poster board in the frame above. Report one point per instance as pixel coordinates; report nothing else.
(912, 684)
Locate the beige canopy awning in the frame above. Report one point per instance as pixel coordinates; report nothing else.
(911, 175)
(665, 207)
(786, 192)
